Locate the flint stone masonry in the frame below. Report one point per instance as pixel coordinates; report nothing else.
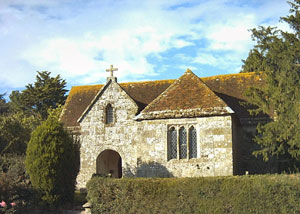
(142, 145)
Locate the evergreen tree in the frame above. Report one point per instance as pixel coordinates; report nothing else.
(276, 57)
(46, 92)
(51, 162)
(14, 135)
(3, 104)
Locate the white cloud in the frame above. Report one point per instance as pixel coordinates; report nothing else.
(185, 67)
(180, 43)
(80, 39)
(183, 57)
(227, 61)
(206, 59)
(231, 36)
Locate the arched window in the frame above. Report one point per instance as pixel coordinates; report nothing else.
(109, 114)
(182, 143)
(172, 141)
(192, 143)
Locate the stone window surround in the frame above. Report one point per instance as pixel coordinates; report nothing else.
(114, 114)
(109, 115)
(177, 128)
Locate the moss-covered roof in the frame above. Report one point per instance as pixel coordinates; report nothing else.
(145, 92)
(78, 99)
(230, 88)
(233, 84)
(188, 96)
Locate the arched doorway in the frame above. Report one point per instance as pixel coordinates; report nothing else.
(109, 162)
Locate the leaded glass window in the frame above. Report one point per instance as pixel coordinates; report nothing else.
(109, 114)
(182, 143)
(192, 143)
(172, 138)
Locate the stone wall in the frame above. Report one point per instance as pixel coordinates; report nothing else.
(96, 136)
(214, 147)
(142, 145)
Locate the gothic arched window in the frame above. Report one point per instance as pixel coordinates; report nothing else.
(172, 141)
(109, 114)
(182, 143)
(192, 143)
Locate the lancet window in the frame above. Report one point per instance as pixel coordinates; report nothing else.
(109, 114)
(182, 142)
(192, 142)
(172, 138)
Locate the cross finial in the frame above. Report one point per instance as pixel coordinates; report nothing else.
(111, 70)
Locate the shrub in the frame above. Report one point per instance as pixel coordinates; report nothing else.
(15, 133)
(240, 194)
(51, 162)
(15, 188)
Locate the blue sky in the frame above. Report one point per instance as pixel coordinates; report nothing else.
(145, 40)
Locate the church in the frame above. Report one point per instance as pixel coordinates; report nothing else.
(187, 127)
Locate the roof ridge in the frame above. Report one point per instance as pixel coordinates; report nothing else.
(162, 94)
(212, 91)
(207, 87)
(147, 81)
(187, 72)
(230, 75)
(88, 85)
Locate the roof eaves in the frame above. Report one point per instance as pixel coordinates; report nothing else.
(186, 113)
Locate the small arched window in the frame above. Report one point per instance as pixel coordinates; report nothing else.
(172, 141)
(109, 114)
(182, 143)
(192, 143)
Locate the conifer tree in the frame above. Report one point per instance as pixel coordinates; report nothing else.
(3, 104)
(276, 57)
(46, 92)
(51, 162)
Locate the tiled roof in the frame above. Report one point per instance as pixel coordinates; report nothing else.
(228, 87)
(145, 92)
(233, 84)
(188, 96)
(78, 99)
(231, 88)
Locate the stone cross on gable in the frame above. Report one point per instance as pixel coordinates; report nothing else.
(111, 70)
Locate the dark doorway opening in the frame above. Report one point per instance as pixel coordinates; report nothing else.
(109, 162)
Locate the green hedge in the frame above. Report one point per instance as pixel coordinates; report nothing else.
(236, 194)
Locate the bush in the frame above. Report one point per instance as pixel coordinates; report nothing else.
(240, 194)
(15, 133)
(15, 188)
(51, 163)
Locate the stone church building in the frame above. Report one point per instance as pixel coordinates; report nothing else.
(186, 127)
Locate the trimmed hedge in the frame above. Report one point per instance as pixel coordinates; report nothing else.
(235, 194)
